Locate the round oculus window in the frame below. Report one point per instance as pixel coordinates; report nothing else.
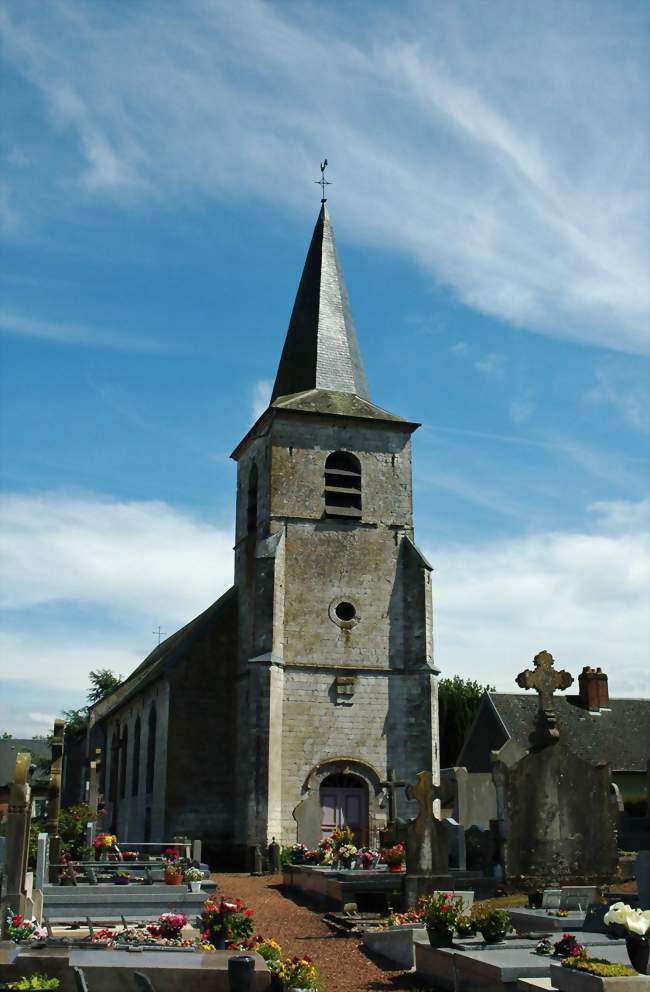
(344, 613)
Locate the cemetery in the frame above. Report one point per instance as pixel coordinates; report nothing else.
(260, 803)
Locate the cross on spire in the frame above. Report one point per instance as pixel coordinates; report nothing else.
(323, 182)
(545, 680)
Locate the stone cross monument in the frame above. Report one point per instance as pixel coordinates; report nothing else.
(545, 680)
(426, 840)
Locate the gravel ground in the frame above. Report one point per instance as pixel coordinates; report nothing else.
(300, 930)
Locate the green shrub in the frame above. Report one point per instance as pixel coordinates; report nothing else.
(599, 967)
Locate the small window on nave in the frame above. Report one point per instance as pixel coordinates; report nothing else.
(342, 485)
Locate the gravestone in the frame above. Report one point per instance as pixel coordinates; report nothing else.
(426, 838)
(558, 818)
(455, 843)
(551, 898)
(19, 820)
(479, 850)
(54, 799)
(578, 896)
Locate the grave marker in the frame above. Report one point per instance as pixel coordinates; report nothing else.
(17, 848)
(54, 803)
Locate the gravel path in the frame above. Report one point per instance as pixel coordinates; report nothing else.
(300, 930)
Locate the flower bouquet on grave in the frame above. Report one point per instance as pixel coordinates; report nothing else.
(103, 844)
(394, 857)
(326, 852)
(225, 923)
(298, 973)
(18, 928)
(568, 947)
(439, 912)
(173, 874)
(635, 924)
(346, 854)
(121, 878)
(34, 982)
(171, 924)
(368, 857)
(298, 852)
(312, 857)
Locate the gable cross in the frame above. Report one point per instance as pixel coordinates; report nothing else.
(545, 680)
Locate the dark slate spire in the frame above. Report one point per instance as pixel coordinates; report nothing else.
(321, 349)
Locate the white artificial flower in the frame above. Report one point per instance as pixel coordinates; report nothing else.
(637, 923)
(617, 913)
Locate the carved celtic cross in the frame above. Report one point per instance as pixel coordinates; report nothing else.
(545, 680)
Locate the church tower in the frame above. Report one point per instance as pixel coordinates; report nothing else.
(336, 686)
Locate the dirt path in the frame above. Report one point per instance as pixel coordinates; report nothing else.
(300, 930)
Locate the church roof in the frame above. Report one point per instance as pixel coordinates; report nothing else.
(336, 404)
(321, 351)
(619, 733)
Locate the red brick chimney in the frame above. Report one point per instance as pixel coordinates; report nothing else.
(594, 691)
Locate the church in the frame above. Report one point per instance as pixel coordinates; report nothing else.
(288, 705)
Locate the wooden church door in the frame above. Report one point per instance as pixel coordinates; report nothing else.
(344, 802)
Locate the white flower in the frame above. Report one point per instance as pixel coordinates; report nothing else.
(638, 923)
(617, 913)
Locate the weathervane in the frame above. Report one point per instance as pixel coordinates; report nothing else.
(323, 182)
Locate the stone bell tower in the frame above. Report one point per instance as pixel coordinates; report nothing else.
(336, 681)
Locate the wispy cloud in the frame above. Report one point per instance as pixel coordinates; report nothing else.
(64, 333)
(123, 567)
(582, 595)
(143, 558)
(260, 397)
(493, 364)
(505, 153)
(626, 388)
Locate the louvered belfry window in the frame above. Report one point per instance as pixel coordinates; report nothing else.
(342, 485)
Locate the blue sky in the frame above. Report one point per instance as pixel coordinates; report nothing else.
(490, 200)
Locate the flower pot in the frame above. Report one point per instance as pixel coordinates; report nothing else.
(493, 936)
(396, 868)
(440, 938)
(366, 867)
(173, 879)
(637, 951)
(219, 943)
(195, 886)
(118, 880)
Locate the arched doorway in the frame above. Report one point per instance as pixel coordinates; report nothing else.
(344, 802)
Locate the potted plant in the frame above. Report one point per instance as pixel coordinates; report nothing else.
(194, 876)
(298, 974)
(129, 855)
(635, 924)
(173, 874)
(225, 923)
(271, 951)
(35, 982)
(493, 925)
(394, 857)
(439, 913)
(465, 926)
(121, 878)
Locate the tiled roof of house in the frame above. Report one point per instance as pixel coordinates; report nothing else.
(619, 734)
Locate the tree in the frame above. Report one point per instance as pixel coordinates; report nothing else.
(102, 682)
(458, 702)
(6, 736)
